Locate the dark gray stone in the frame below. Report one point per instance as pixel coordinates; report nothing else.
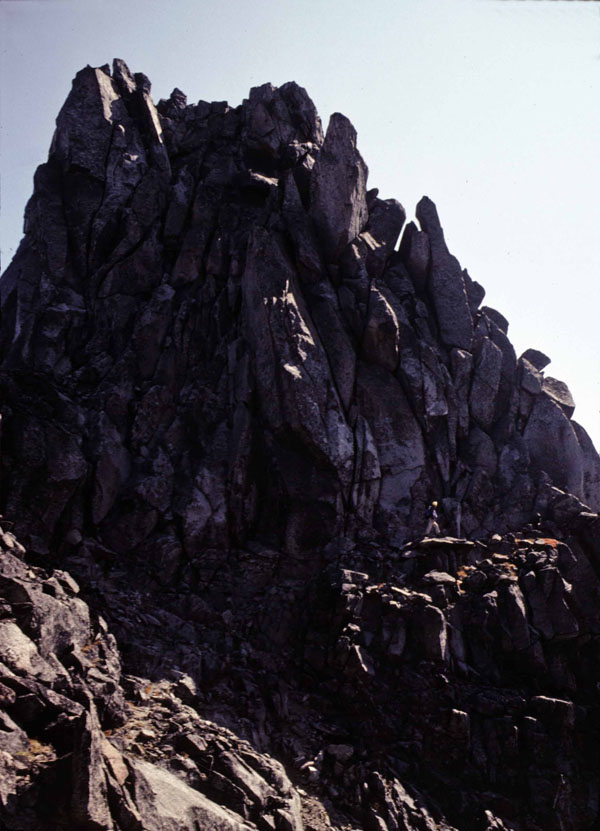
(486, 383)
(559, 392)
(416, 254)
(227, 403)
(536, 358)
(338, 188)
(446, 284)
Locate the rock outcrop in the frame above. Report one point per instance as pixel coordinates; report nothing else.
(85, 747)
(232, 379)
(452, 685)
(209, 334)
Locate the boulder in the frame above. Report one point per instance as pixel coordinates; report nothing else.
(168, 804)
(536, 358)
(559, 392)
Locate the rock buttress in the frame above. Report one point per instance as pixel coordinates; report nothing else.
(208, 333)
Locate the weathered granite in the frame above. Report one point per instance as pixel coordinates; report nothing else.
(227, 400)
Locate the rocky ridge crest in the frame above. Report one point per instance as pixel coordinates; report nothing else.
(209, 337)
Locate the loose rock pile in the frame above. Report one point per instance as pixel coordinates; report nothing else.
(455, 686)
(84, 747)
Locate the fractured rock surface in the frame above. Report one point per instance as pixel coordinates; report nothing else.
(232, 381)
(79, 751)
(208, 311)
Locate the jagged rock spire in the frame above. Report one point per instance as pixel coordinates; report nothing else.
(210, 336)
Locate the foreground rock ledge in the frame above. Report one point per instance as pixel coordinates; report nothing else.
(452, 685)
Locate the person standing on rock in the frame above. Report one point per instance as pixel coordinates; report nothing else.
(431, 515)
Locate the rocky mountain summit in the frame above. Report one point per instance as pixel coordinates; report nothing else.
(232, 380)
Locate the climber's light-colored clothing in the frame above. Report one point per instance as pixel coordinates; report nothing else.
(432, 528)
(432, 523)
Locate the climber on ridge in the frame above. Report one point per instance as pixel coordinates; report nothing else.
(431, 515)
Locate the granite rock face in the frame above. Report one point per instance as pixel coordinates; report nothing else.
(206, 313)
(231, 382)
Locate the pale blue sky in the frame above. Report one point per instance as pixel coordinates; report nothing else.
(490, 107)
